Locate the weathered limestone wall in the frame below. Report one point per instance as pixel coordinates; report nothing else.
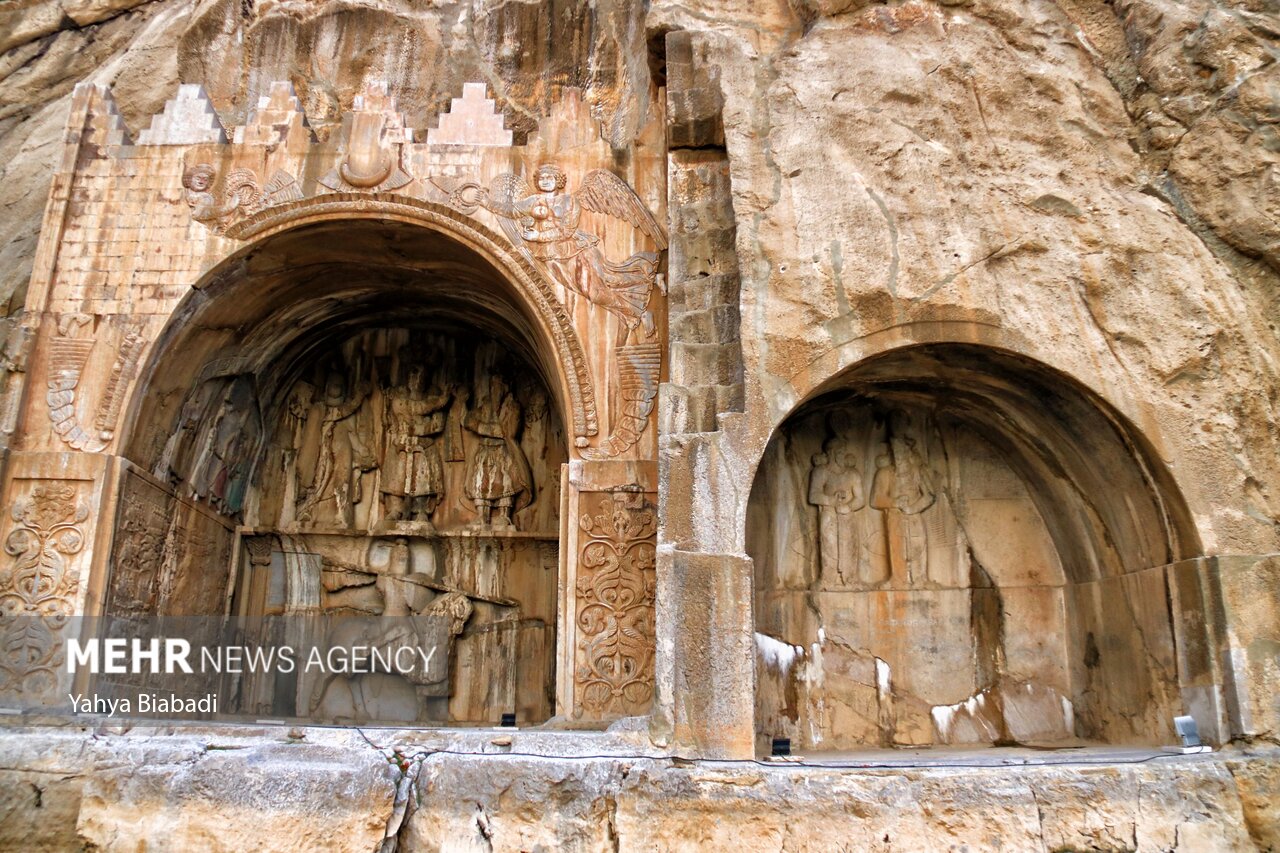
(977, 180)
(1089, 187)
(1184, 85)
(988, 172)
(317, 789)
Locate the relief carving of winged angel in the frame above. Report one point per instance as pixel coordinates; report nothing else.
(543, 225)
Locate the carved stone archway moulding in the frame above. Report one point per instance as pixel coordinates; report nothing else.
(533, 287)
(560, 246)
(134, 228)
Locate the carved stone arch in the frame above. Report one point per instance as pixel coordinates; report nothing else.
(575, 376)
(1016, 358)
(954, 543)
(1123, 413)
(353, 289)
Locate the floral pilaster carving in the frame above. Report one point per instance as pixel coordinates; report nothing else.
(615, 606)
(38, 588)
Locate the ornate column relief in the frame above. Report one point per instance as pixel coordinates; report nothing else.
(38, 587)
(615, 599)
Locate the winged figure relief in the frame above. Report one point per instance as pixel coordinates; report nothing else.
(241, 195)
(543, 224)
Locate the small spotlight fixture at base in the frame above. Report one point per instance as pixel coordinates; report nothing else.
(1189, 732)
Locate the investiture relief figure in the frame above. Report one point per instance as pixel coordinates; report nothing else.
(293, 433)
(498, 476)
(401, 432)
(884, 514)
(902, 491)
(215, 443)
(413, 471)
(835, 488)
(409, 488)
(342, 448)
(914, 609)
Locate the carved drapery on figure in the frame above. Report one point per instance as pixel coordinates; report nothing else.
(38, 588)
(835, 488)
(342, 449)
(419, 437)
(413, 479)
(898, 493)
(616, 578)
(373, 166)
(257, 445)
(884, 514)
(498, 477)
(215, 443)
(142, 533)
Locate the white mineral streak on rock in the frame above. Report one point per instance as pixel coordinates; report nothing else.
(883, 679)
(775, 653)
(942, 715)
(945, 717)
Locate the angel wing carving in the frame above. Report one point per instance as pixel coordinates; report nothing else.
(604, 192)
(504, 192)
(544, 227)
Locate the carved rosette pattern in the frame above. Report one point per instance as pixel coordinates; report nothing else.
(38, 588)
(615, 591)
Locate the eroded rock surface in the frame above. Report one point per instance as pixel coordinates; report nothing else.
(319, 789)
(1086, 186)
(72, 791)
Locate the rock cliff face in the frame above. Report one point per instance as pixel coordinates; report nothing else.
(1190, 86)
(1002, 276)
(1115, 163)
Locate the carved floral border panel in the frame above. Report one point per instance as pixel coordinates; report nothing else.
(615, 588)
(40, 584)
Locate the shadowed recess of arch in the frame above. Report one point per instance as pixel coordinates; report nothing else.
(1058, 434)
(323, 271)
(391, 207)
(976, 548)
